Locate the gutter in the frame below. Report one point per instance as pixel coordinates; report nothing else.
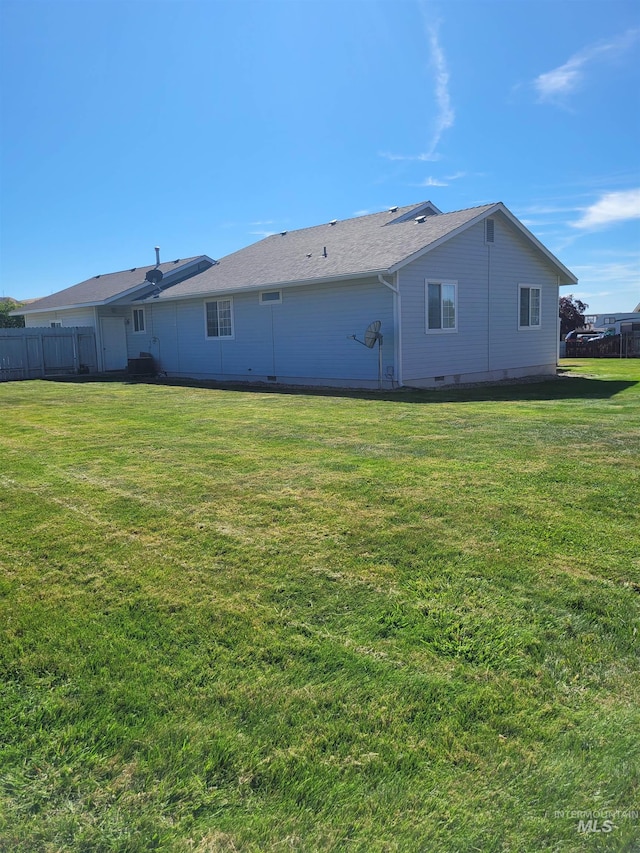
(254, 288)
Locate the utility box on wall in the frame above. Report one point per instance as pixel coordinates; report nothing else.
(141, 366)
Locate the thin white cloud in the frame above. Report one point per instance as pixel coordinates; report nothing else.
(432, 182)
(546, 210)
(624, 274)
(445, 114)
(421, 158)
(440, 182)
(611, 208)
(263, 233)
(555, 85)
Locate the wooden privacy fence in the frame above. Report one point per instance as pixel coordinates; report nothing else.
(39, 352)
(613, 346)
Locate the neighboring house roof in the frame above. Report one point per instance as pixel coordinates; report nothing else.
(105, 288)
(636, 310)
(379, 243)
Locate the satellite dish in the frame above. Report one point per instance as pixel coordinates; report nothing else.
(155, 276)
(372, 334)
(370, 337)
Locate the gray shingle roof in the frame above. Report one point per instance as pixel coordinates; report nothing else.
(377, 243)
(373, 243)
(102, 288)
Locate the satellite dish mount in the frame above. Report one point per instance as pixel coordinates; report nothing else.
(371, 335)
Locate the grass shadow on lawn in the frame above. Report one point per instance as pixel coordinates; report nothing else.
(561, 387)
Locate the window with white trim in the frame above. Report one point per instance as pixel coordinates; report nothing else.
(440, 303)
(270, 297)
(218, 318)
(138, 320)
(529, 310)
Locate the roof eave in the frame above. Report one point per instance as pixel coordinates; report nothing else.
(267, 285)
(60, 308)
(123, 294)
(566, 273)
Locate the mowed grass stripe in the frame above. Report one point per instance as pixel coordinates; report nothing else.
(239, 620)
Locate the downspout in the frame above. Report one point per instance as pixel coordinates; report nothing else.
(558, 322)
(397, 306)
(98, 338)
(488, 308)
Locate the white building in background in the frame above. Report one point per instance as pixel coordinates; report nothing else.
(619, 322)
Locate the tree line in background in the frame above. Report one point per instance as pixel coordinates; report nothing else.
(7, 322)
(571, 314)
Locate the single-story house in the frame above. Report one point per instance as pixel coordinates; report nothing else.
(438, 298)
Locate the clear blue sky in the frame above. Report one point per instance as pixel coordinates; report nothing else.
(202, 126)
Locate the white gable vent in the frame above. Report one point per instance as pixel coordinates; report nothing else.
(489, 230)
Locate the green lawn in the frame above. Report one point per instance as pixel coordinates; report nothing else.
(240, 620)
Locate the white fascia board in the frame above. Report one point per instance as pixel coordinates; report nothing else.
(276, 285)
(126, 293)
(566, 273)
(58, 308)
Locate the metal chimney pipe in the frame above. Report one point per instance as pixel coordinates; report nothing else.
(157, 256)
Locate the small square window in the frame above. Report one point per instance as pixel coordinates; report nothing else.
(270, 297)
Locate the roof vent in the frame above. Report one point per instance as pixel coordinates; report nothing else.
(420, 219)
(283, 233)
(157, 256)
(393, 209)
(97, 276)
(133, 269)
(324, 252)
(177, 261)
(489, 230)
(333, 222)
(308, 255)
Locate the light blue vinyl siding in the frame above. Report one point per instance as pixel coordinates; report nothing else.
(487, 339)
(304, 339)
(70, 317)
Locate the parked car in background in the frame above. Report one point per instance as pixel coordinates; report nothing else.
(591, 335)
